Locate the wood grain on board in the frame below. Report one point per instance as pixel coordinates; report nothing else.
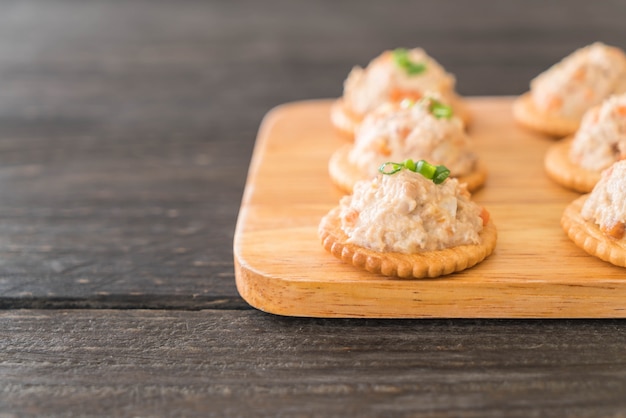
(535, 271)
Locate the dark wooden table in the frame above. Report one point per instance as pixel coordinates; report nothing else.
(126, 130)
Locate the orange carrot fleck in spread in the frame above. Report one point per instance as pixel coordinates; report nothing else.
(621, 110)
(555, 103)
(484, 215)
(383, 148)
(403, 132)
(352, 216)
(579, 74)
(397, 95)
(616, 230)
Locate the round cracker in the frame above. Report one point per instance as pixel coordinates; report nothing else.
(563, 171)
(405, 266)
(527, 115)
(589, 237)
(343, 120)
(344, 174)
(346, 122)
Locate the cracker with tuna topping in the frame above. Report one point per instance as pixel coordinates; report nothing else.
(596, 222)
(391, 77)
(563, 171)
(427, 129)
(559, 97)
(406, 266)
(402, 224)
(578, 161)
(589, 237)
(527, 115)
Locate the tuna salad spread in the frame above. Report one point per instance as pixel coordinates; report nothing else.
(606, 204)
(601, 139)
(393, 76)
(581, 80)
(407, 213)
(425, 129)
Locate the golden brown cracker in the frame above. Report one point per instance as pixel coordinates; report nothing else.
(405, 266)
(343, 120)
(565, 172)
(476, 179)
(586, 235)
(346, 121)
(527, 115)
(344, 174)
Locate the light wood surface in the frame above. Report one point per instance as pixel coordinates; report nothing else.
(535, 270)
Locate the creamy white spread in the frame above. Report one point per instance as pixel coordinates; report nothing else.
(580, 81)
(601, 138)
(606, 204)
(407, 213)
(383, 80)
(395, 132)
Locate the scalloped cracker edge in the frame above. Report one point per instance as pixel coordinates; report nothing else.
(527, 115)
(405, 266)
(589, 237)
(566, 173)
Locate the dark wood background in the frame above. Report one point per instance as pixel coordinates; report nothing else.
(126, 130)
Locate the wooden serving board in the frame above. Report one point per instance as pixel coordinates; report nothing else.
(535, 271)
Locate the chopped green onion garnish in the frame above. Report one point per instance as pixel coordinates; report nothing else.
(390, 168)
(438, 109)
(410, 164)
(436, 173)
(441, 173)
(425, 169)
(401, 58)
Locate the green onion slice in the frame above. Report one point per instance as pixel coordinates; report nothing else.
(438, 109)
(441, 173)
(390, 168)
(437, 173)
(402, 60)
